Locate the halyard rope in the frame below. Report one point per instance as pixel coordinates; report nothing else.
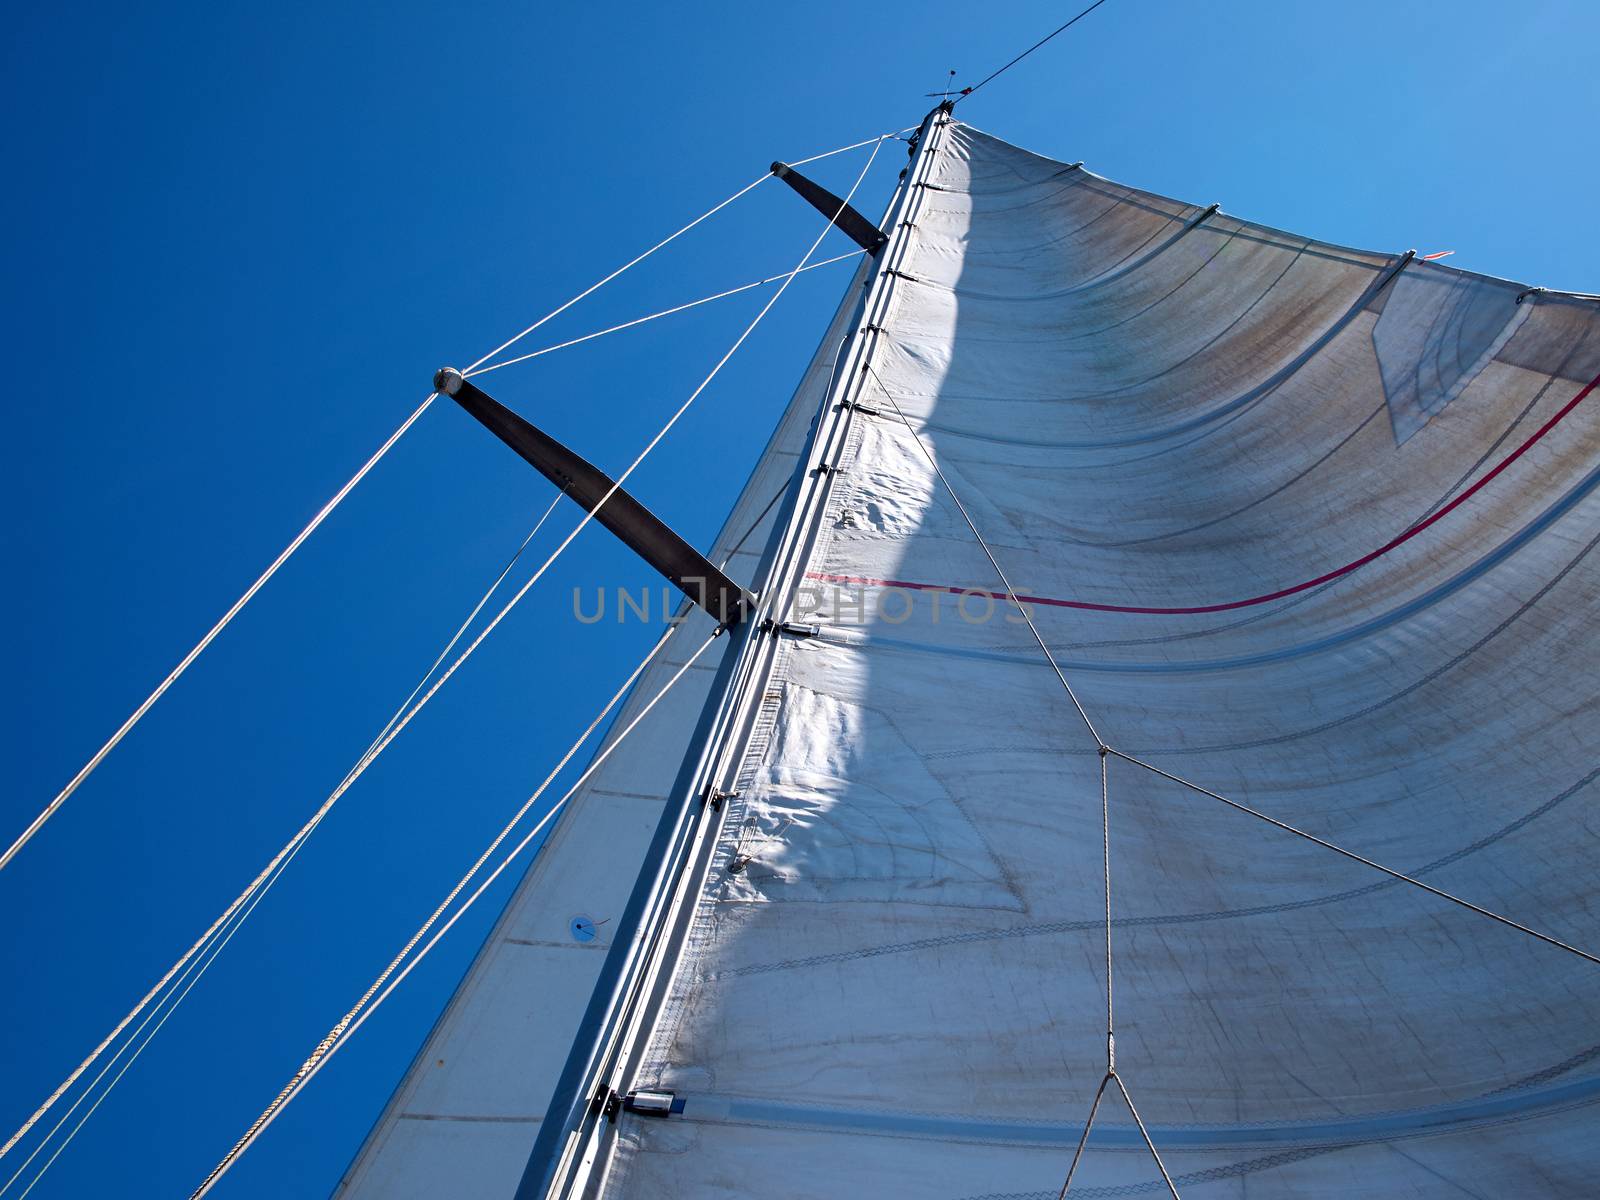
(1105, 798)
(1111, 1042)
(1105, 807)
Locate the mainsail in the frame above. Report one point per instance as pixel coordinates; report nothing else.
(1304, 525)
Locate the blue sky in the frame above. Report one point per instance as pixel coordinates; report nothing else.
(240, 239)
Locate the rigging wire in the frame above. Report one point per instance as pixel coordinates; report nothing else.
(176, 997)
(299, 539)
(1083, 1139)
(1105, 842)
(258, 887)
(1105, 794)
(875, 143)
(99, 756)
(314, 1064)
(353, 1020)
(1145, 1134)
(326, 510)
(1106, 749)
(882, 137)
(1105, 802)
(666, 312)
(1111, 1036)
(965, 92)
(397, 727)
(684, 407)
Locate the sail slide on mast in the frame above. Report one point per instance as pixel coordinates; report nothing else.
(875, 962)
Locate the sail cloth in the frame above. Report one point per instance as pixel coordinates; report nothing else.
(893, 982)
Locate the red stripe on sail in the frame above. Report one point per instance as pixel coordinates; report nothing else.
(1186, 610)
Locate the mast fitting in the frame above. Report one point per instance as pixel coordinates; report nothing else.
(652, 1103)
(794, 628)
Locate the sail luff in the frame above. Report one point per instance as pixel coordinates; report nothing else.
(572, 1142)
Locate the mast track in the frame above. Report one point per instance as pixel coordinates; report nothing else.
(572, 1151)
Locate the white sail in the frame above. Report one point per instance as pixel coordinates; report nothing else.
(463, 1119)
(890, 980)
(885, 976)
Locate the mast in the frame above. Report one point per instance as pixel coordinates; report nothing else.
(573, 1137)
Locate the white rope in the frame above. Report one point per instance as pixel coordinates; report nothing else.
(587, 517)
(1145, 1134)
(881, 138)
(268, 875)
(875, 143)
(50, 809)
(192, 974)
(471, 617)
(99, 756)
(706, 382)
(993, 561)
(632, 262)
(666, 312)
(346, 1028)
(111, 744)
(398, 726)
(210, 956)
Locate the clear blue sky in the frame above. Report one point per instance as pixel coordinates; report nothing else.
(240, 239)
